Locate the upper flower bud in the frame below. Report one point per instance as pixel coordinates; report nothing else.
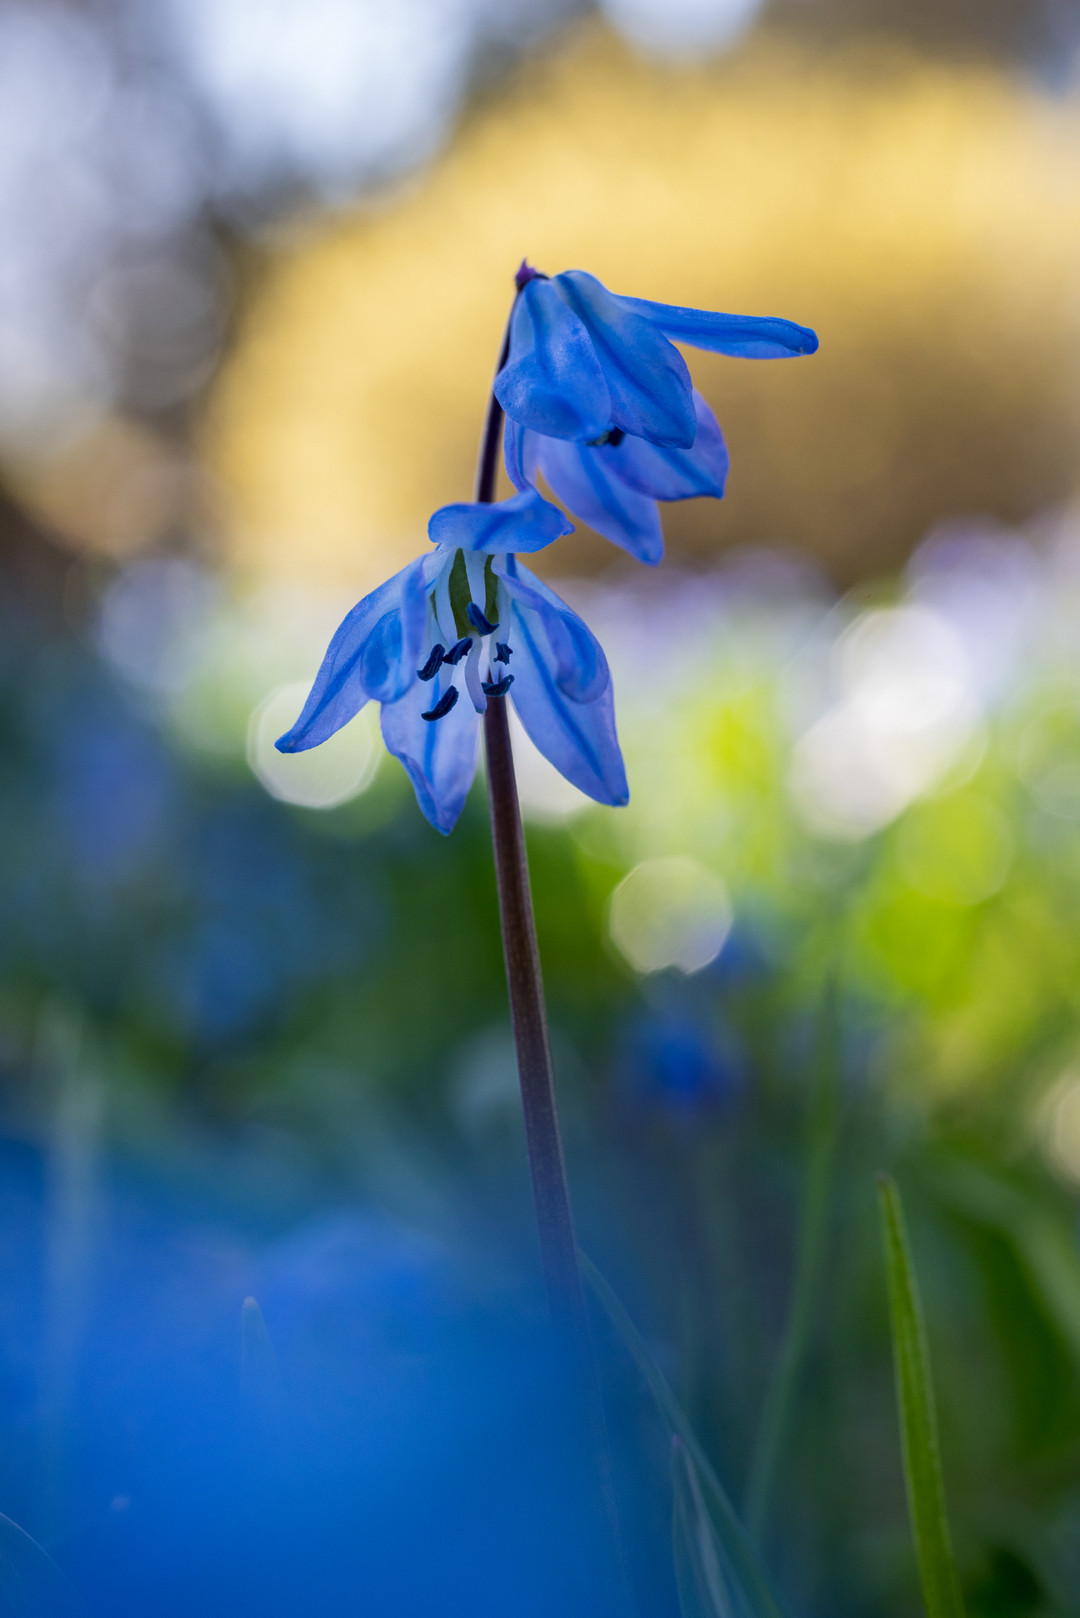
(584, 363)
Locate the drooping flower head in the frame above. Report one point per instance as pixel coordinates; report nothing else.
(599, 400)
(460, 626)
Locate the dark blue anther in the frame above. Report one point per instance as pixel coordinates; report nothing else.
(497, 688)
(482, 625)
(431, 667)
(502, 652)
(444, 704)
(457, 651)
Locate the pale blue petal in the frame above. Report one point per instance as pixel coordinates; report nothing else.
(525, 522)
(371, 656)
(647, 379)
(668, 474)
(552, 380)
(520, 446)
(580, 667)
(439, 755)
(751, 337)
(585, 479)
(562, 689)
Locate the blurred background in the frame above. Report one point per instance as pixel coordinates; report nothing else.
(257, 257)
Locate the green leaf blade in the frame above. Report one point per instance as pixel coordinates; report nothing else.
(918, 1419)
(740, 1555)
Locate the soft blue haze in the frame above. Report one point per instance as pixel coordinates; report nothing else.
(469, 621)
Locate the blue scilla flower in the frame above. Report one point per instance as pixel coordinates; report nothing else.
(465, 623)
(599, 400)
(615, 484)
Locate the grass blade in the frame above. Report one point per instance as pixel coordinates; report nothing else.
(698, 1572)
(31, 1584)
(918, 1421)
(739, 1553)
(260, 1379)
(813, 1223)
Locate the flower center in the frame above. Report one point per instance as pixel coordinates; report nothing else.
(475, 651)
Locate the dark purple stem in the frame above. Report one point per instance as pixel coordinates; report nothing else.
(558, 1249)
(551, 1195)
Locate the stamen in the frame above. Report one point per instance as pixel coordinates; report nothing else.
(457, 651)
(431, 667)
(444, 704)
(482, 625)
(614, 436)
(497, 688)
(502, 652)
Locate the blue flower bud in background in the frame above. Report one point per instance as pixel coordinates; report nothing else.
(675, 1063)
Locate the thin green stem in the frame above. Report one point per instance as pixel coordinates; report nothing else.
(813, 1222)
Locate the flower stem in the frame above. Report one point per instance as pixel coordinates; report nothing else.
(551, 1194)
(558, 1249)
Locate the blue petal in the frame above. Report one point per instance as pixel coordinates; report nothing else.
(371, 656)
(552, 380)
(751, 337)
(519, 453)
(668, 474)
(439, 755)
(562, 689)
(580, 667)
(525, 522)
(650, 388)
(587, 481)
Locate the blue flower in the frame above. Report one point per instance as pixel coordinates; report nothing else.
(468, 621)
(673, 1060)
(600, 402)
(614, 486)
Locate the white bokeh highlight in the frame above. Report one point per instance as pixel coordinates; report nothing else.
(544, 794)
(97, 164)
(670, 912)
(328, 90)
(1058, 1124)
(322, 777)
(681, 27)
(907, 708)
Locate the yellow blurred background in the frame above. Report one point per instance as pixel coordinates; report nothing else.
(923, 216)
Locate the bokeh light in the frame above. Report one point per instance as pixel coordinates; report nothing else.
(905, 710)
(670, 912)
(321, 778)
